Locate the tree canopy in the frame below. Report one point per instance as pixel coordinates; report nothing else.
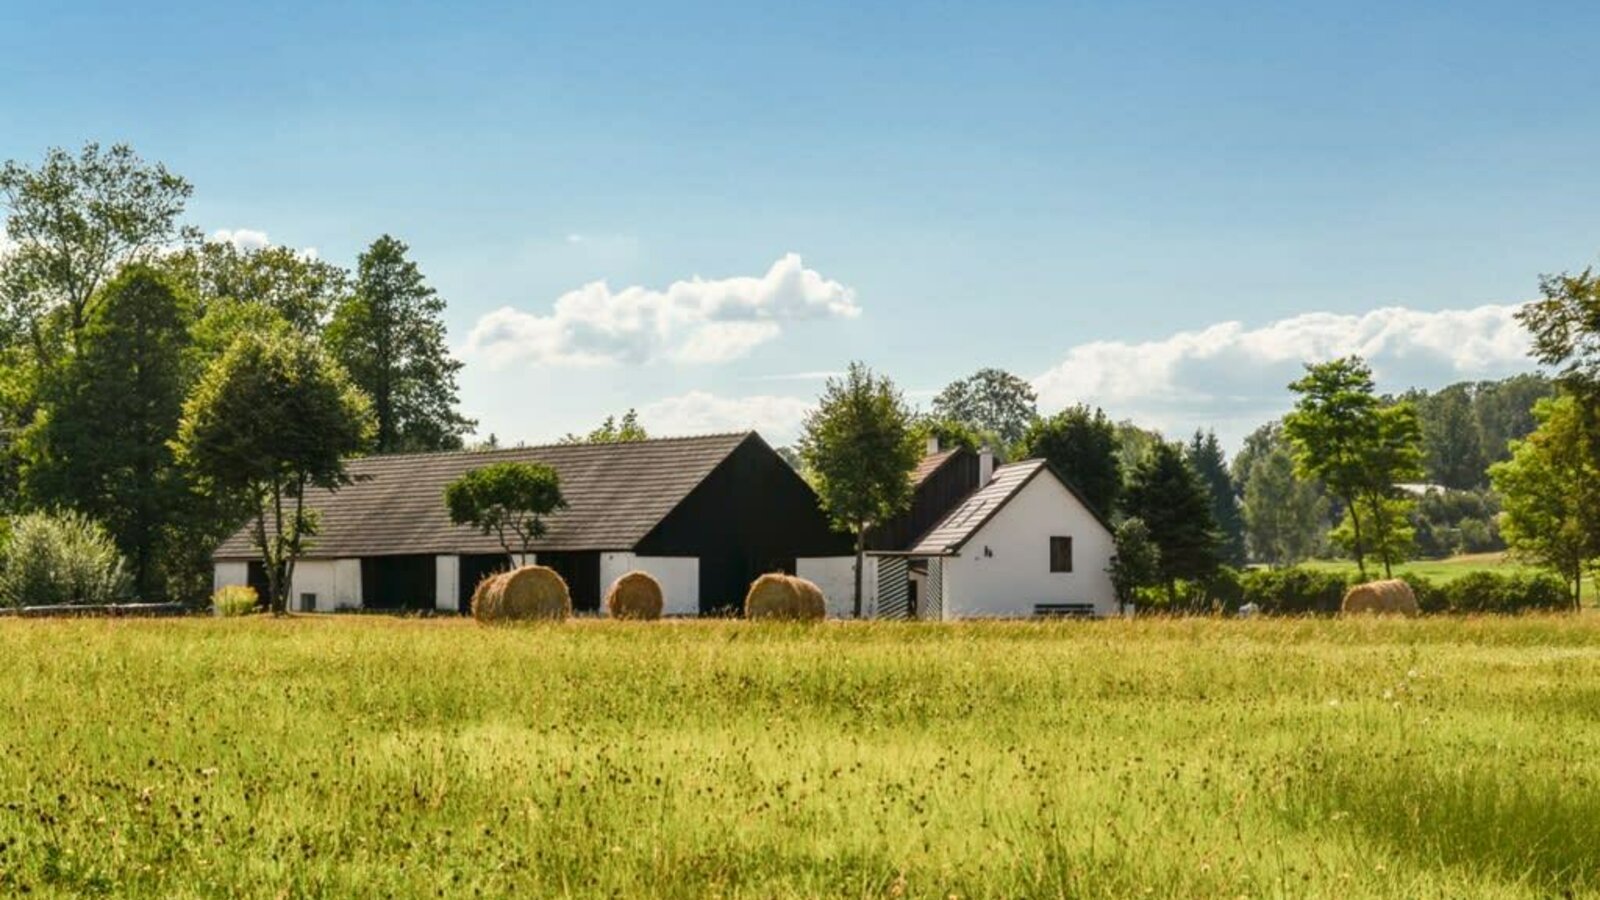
(1166, 494)
(1082, 445)
(270, 419)
(508, 500)
(390, 336)
(859, 446)
(1550, 488)
(989, 401)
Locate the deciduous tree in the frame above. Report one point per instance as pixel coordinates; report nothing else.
(508, 500)
(272, 418)
(1550, 492)
(989, 400)
(1082, 445)
(859, 446)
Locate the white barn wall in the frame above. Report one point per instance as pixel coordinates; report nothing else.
(679, 577)
(836, 576)
(1017, 576)
(230, 573)
(336, 582)
(447, 582)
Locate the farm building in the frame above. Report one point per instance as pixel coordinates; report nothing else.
(981, 541)
(704, 515)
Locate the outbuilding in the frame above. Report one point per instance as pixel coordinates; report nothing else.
(1020, 542)
(704, 515)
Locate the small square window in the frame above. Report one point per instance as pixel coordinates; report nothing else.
(1061, 554)
(308, 602)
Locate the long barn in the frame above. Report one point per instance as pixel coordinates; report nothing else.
(704, 515)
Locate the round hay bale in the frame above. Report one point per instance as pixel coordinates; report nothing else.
(772, 596)
(813, 605)
(482, 602)
(525, 594)
(1391, 596)
(636, 595)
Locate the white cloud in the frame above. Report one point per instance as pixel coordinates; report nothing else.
(1233, 378)
(697, 412)
(241, 238)
(693, 321)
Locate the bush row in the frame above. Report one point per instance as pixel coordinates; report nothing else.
(1300, 590)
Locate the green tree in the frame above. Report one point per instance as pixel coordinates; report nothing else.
(58, 559)
(1359, 449)
(1174, 504)
(1565, 325)
(859, 446)
(390, 337)
(1284, 516)
(73, 222)
(952, 433)
(1205, 455)
(612, 431)
(1550, 492)
(1082, 445)
(1133, 445)
(509, 499)
(101, 444)
(989, 400)
(272, 418)
(1137, 563)
(1453, 456)
(297, 287)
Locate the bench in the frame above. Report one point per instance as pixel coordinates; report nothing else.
(1064, 610)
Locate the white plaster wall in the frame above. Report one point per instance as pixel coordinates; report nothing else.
(229, 573)
(679, 577)
(836, 576)
(447, 582)
(1017, 575)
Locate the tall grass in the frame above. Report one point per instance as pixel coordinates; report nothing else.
(340, 757)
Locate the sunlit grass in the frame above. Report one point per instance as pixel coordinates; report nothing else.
(346, 756)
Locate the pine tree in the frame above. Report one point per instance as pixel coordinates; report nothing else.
(1211, 464)
(100, 445)
(1166, 493)
(390, 338)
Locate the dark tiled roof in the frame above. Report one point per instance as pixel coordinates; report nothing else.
(615, 493)
(930, 464)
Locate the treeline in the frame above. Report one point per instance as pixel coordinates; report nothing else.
(158, 388)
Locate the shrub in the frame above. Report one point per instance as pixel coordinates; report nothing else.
(61, 558)
(234, 600)
(1293, 591)
(1492, 592)
(1430, 597)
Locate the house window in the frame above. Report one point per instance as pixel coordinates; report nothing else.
(1061, 554)
(308, 602)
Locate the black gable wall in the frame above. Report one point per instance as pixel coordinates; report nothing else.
(934, 498)
(752, 514)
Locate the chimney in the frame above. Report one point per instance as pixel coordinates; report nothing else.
(985, 465)
(933, 444)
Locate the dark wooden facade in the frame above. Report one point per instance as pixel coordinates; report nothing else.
(581, 571)
(753, 514)
(475, 567)
(399, 582)
(937, 494)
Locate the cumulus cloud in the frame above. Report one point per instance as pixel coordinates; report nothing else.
(693, 321)
(698, 412)
(241, 238)
(1232, 377)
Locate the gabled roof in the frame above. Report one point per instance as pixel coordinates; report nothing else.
(955, 529)
(616, 493)
(932, 463)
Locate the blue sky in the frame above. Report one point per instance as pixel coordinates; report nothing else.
(1158, 207)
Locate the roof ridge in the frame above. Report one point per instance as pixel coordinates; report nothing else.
(439, 454)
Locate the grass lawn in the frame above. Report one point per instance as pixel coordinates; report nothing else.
(1451, 568)
(351, 756)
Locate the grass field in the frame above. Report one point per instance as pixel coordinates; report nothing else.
(1451, 568)
(333, 756)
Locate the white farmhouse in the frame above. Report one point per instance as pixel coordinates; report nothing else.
(1023, 542)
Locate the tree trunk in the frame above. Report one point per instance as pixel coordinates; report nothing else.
(1355, 528)
(861, 558)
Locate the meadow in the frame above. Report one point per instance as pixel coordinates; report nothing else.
(351, 756)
